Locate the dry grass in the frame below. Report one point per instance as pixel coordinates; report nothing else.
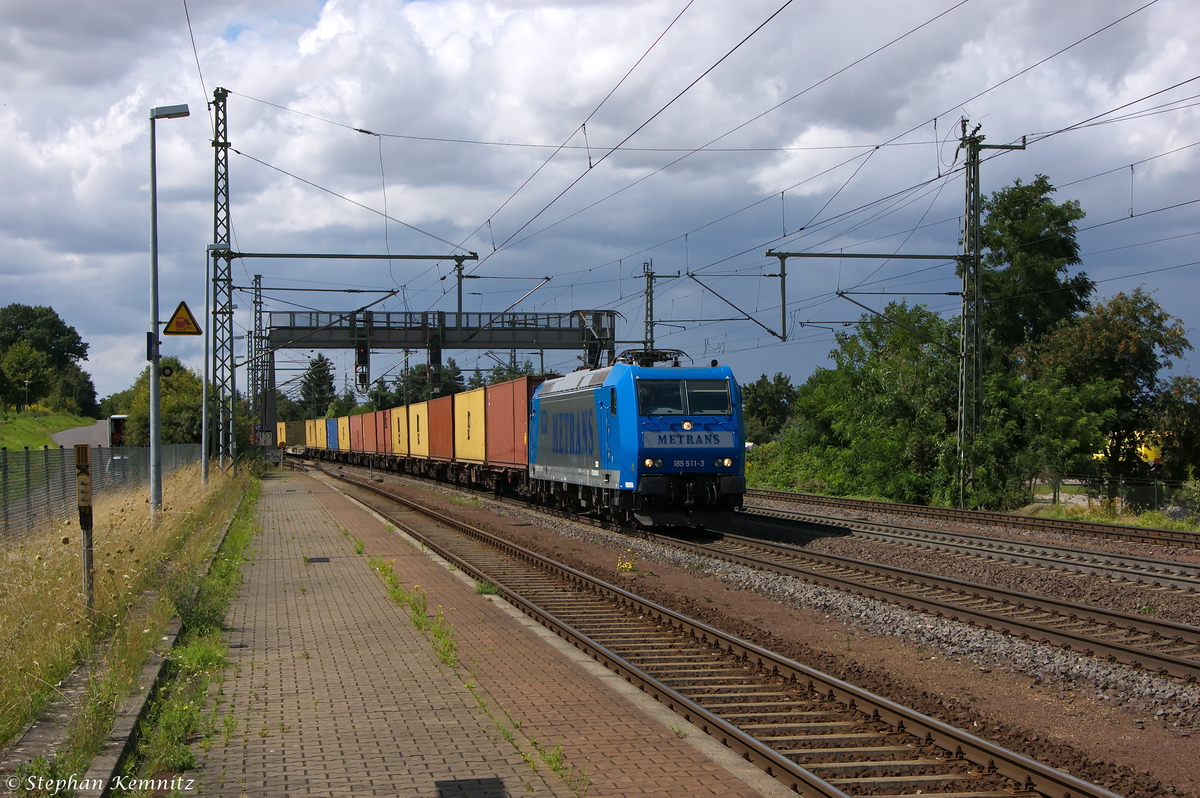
(45, 629)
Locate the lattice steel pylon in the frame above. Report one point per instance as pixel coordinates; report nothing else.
(970, 358)
(971, 340)
(255, 372)
(225, 442)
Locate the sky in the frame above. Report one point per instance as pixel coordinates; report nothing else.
(580, 141)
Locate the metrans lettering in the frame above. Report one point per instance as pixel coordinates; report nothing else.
(573, 432)
(686, 440)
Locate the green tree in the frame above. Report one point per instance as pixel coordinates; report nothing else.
(30, 372)
(881, 423)
(73, 391)
(1065, 422)
(380, 397)
(287, 409)
(179, 402)
(766, 405)
(452, 380)
(477, 380)
(1029, 246)
(316, 387)
(1127, 341)
(1177, 427)
(42, 329)
(341, 405)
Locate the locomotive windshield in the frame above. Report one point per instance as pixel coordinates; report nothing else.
(683, 397)
(707, 397)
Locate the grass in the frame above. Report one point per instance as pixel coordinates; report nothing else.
(1105, 511)
(140, 570)
(178, 712)
(33, 427)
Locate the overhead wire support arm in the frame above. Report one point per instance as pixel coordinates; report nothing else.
(914, 331)
(344, 256)
(739, 310)
(782, 275)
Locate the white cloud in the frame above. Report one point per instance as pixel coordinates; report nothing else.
(77, 89)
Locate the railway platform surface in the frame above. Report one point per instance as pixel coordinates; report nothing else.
(334, 692)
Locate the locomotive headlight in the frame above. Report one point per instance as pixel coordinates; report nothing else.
(727, 462)
(648, 463)
(687, 425)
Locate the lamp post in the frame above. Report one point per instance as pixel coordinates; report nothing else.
(152, 354)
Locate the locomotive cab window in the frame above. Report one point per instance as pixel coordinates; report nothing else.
(683, 397)
(660, 397)
(707, 397)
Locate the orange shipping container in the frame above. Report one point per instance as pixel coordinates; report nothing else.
(383, 431)
(441, 428)
(370, 436)
(508, 421)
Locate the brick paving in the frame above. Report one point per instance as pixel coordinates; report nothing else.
(335, 692)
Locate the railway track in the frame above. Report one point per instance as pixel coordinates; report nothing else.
(1164, 647)
(814, 734)
(1119, 567)
(1161, 537)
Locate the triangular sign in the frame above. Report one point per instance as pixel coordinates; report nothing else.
(182, 322)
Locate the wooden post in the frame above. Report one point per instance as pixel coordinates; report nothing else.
(83, 486)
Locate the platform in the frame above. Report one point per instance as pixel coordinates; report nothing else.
(334, 692)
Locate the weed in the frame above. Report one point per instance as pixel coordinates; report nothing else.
(678, 731)
(578, 782)
(358, 546)
(444, 644)
(230, 726)
(627, 562)
(486, 588)
(418, 608)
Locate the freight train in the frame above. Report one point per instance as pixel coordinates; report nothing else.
(635, 445)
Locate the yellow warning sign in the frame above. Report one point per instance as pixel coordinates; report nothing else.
(182, 322)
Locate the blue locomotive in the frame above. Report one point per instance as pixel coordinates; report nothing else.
(638, 444)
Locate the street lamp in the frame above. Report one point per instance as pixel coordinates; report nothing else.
(152, 354)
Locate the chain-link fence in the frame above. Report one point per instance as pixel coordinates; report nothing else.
(1179, 500)
(37, 486)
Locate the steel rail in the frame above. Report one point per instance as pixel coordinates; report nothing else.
(1030, 774)
(1111, 621)
(1145, 570)
(1161, 537)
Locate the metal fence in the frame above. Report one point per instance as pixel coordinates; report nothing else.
(37, 486)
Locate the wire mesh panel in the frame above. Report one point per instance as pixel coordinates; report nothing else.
(37, 486)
